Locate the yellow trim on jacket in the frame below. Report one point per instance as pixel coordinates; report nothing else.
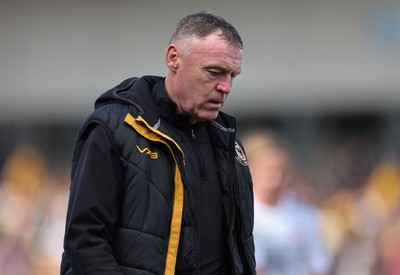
(143, 128)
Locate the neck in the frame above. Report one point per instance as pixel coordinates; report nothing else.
(168, 84)
(269, 199)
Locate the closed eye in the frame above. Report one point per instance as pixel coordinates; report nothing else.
(214, 73)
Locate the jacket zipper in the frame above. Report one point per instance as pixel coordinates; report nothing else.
(197, 240)
(198, 154)
(193, 134)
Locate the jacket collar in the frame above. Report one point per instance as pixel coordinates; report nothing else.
(148, 96)
(167, 109)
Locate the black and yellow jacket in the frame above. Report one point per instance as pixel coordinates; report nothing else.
(140, 230)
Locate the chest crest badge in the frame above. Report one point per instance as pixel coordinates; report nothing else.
(240, 155)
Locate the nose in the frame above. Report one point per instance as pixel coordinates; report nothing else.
(225, 84)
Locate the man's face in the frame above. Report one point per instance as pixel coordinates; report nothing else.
(204, 75)
(269, 169)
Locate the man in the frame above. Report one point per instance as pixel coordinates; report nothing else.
(160, 183)
(287, 236)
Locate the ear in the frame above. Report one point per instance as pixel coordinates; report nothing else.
(171, 57)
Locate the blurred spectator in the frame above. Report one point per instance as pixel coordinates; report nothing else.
(356, 214)
(388, 260)
(344, 164)
(33, 200)
(50, 239)
(384, 187)
(381, 195)
(22, 178)
(287, 236)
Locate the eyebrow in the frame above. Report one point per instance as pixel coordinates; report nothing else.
(237, 73)
(223, 69)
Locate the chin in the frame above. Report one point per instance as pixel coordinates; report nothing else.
(210, 117)
(207, 116)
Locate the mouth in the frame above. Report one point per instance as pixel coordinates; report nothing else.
(215, 104)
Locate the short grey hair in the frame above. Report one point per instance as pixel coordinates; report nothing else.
(201, 24)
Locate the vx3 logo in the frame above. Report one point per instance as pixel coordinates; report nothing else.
(153, 155)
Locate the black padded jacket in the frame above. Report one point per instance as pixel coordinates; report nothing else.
(148, 230)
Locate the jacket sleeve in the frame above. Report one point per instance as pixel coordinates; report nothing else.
(93, 205)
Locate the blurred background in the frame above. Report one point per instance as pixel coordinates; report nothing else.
(324, 75)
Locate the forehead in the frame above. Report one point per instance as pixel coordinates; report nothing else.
(213, 49)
